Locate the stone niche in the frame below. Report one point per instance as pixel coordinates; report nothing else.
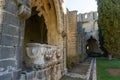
(43, 62)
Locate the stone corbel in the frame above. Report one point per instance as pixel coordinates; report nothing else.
(24, 10)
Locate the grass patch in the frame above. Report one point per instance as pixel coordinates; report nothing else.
(108, 70)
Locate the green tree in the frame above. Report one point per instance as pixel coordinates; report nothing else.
(109, 25)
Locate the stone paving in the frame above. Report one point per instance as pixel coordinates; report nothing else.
(79, 71)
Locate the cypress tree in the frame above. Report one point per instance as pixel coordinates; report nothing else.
(109, 25)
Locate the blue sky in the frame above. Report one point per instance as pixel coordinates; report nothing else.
(82, 6)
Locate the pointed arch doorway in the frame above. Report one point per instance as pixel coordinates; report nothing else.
(92, 47)
(35, 29)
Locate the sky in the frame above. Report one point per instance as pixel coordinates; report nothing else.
(82, 6)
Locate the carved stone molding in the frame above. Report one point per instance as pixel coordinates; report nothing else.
(42, 8)
(24, 10)
(58, 14)
(2, 4)
(42, 55)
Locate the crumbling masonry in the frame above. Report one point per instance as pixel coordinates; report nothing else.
(31, 39)
(37, 35)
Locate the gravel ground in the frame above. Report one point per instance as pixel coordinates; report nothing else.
(80, 68)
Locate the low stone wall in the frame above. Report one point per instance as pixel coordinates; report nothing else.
(43, 62)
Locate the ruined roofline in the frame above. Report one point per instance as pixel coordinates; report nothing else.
(86, 17)
(89, 12)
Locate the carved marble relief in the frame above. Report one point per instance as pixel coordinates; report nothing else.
(41, 54)
(46, 59)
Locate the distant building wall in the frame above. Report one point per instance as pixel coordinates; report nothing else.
(72, 33)
(89, 28)
(89, 23)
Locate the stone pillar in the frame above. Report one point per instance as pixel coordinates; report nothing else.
(71, 33)
(64, 41)
(11, 40)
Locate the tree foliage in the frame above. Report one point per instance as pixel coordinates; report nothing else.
(109, 25)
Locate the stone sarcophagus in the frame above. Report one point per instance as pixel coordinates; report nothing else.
(45, 62)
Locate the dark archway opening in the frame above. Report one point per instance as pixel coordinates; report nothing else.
(35, 29)
(92, 48)
(35, 32)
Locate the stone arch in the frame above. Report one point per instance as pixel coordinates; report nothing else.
(58, 14)
(51, 11)
(92, 46)
(43, 8)
(35, 29)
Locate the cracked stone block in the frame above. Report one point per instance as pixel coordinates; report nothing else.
(8, 66)
(7, 76)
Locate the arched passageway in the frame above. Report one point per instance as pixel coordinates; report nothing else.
(92, 47)
(43, 41)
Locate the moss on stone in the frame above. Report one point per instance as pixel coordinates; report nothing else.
(72, 60)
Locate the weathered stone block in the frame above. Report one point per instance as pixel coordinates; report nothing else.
(6, 77)
(95, 15)
(71, 33)
(31, 75)
(7, 66)
(41, 75)
(24, 12)
(7, 52)
(0, 50)
(19, 56)
(28, 75)
(48, 74)
(9, 29)
(10, 19)
(9, 40)
(9, 5)
(0, 38)
(16, 75)
(0, 29)
(22, 28)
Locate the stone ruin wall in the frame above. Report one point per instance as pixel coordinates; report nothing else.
(71, 33)
(12, 26)
(89, 23)
(89, 26)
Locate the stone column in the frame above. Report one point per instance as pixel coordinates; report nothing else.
(64, 41)
(11, 40)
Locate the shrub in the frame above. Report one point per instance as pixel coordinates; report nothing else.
(72, 60)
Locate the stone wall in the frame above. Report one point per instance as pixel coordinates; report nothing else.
(44, 62)
(72, 33)
(73, 39)
(12, 28)
(81, 40)
(11, 36)
(89, 23)
(89, 29)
